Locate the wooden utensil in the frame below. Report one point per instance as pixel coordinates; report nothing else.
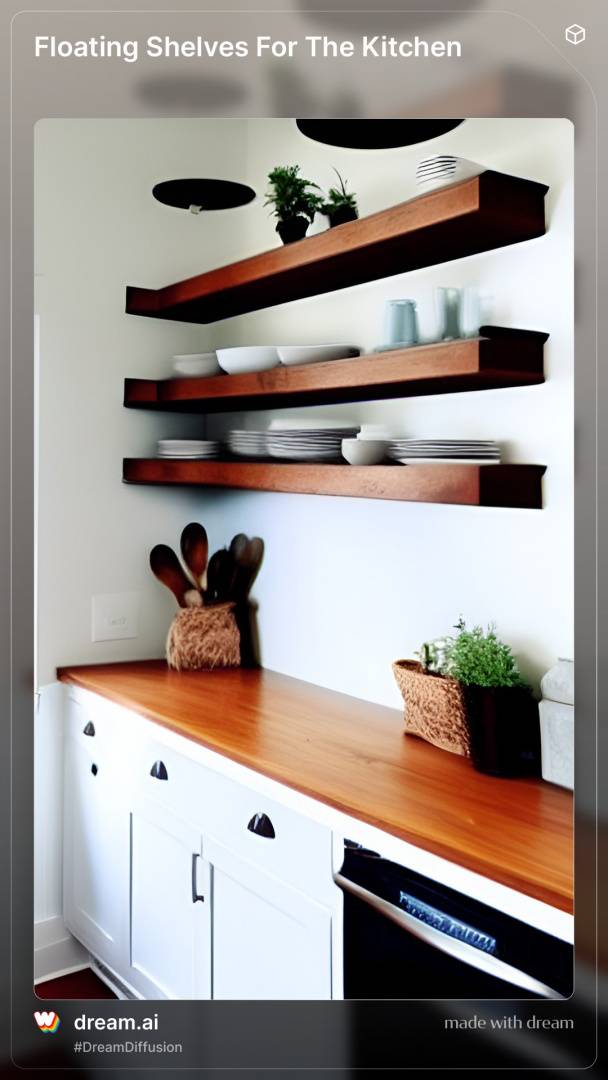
(219, 577)
(237, 549)
(248, 565)
(166, 566)
(194, 547)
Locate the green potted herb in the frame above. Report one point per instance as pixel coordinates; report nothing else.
(502, 714)
(466, 694)
(293, 200)
(341, 205)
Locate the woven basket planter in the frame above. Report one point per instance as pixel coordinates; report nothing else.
(435, 707)
(203, 638)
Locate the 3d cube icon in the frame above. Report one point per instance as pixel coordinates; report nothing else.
(575, 34)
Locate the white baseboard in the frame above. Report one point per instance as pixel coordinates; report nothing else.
(56, 952)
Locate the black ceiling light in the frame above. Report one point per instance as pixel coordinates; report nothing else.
(207, 194)
(375, 134)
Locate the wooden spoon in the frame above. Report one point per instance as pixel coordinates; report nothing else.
(238, 545)
(248, 565)
(237, 549)
(219, 577)
(166, 566)
(195, 549)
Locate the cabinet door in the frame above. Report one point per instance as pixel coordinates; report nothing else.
(270, 941)
(170, 907)
(96, 856)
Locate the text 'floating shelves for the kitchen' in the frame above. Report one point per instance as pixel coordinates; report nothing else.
(488, 211)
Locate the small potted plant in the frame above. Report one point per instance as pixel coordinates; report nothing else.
(341, 205)
(466, 694)
(502, 714)
(293, 200)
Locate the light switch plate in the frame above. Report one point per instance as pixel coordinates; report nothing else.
(114, 616)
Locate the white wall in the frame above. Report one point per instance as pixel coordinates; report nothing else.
(97, 229)
(347, 585)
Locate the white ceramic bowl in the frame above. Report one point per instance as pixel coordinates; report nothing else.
(192, 365)
(246, 358)
(364, 451)
(314, 354)
(377, 432)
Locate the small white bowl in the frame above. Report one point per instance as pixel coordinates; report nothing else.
(364, 451)
(377, 432)
(314, 354)
(193, 365)
(245, 358)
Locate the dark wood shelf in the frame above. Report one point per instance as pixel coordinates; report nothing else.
(353, 756)
(486, 212)
(498, 358)
(465, 485)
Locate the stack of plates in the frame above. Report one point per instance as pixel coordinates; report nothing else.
(308, 444)
(247, 443)
(188, 448)
(457, 451)
(442, 169)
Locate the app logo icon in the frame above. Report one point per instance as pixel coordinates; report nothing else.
(48, 1022)
(575, 34)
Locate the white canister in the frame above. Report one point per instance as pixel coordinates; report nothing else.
(557, 742)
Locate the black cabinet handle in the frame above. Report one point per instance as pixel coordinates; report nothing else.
(89, 729)
(94, 769)
(261, 825)
(195, 895)
(159, 771)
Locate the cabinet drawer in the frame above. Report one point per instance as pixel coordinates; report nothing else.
(299, 852)
(174, 781)
(278, 840)
(97, 725)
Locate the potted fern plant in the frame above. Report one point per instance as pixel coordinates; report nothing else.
(340, 205)
(293, 200)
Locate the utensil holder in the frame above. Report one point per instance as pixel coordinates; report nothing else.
(203, 638)
(435, 707)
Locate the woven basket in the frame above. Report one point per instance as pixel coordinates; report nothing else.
(204, 637)
(434, 707)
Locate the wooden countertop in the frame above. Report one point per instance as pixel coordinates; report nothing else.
(354, 756)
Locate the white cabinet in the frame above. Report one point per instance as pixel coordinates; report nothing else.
(186, 883)
(270, 941)
(170, 954)
(96, 855)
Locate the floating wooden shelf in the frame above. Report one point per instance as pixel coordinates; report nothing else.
(498, 358)
(489, 211)
(465, 485)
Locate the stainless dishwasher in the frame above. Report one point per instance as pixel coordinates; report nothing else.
(406, 936)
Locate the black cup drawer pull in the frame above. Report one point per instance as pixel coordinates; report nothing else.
(94, 769)
(261, 825)
(159, 771)
(89, 729)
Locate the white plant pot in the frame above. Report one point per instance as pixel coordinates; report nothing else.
(557, 742)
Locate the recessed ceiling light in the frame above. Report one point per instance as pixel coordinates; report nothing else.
(203, 194)
(375, 134)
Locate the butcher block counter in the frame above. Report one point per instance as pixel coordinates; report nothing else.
(354, 756)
